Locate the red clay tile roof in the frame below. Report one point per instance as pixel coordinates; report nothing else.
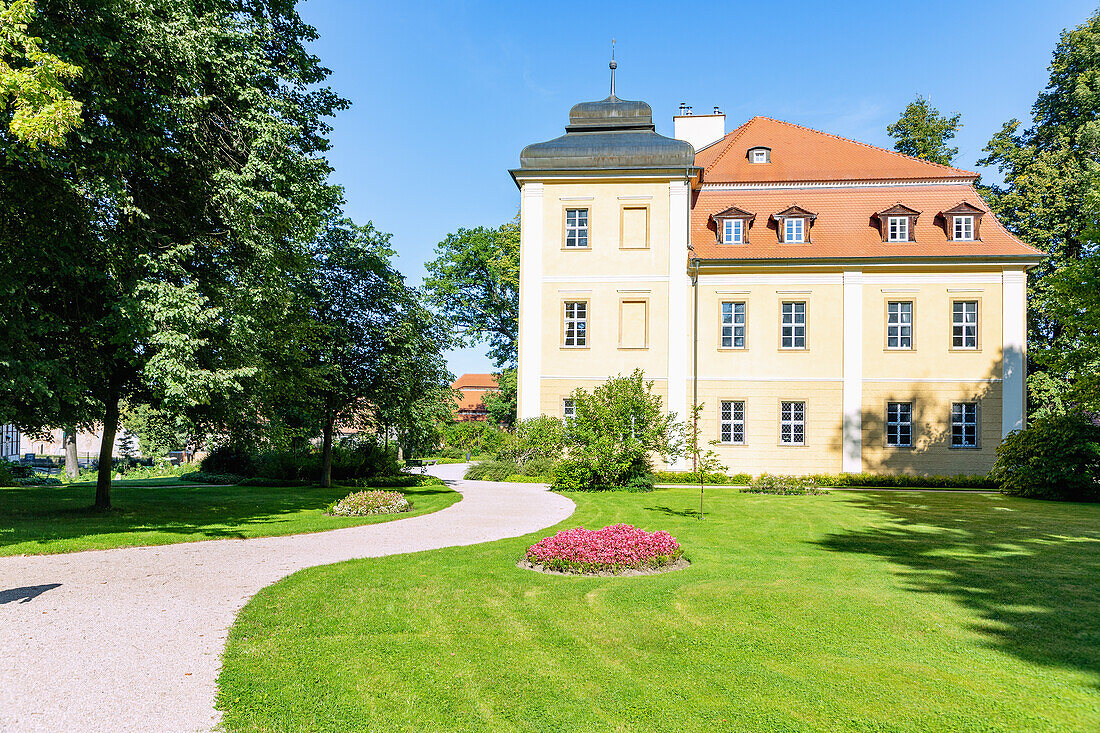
(801, 154)
(477, 381)
(845, 226)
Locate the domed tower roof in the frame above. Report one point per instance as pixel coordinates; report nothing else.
(612, 133)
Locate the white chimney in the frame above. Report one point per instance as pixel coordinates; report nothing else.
(699, 130)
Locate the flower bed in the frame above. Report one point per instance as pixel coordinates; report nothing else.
(365, 503)
(611, 549)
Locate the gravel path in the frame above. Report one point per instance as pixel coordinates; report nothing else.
(131, 639)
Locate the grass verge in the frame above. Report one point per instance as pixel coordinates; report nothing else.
(847, 611)
(53, 519)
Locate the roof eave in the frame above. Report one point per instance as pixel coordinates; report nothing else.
(691, 173)
(1028, 261)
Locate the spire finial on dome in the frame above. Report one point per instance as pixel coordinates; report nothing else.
(613, 66)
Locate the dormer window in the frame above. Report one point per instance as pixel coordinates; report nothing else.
(963, 222)
(760, 155)
(732, 225)
(793, 225)
(964, 228)
(733, 231)
(897, 223)
(794, 229)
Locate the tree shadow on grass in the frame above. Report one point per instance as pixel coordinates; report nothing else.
(669, 511)
(1029, 569)
(48, 514)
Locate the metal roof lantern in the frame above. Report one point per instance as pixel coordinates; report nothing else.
(612, 133)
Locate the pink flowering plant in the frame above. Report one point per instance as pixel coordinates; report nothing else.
(611, 549)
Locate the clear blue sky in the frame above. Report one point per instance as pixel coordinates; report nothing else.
(445, 95)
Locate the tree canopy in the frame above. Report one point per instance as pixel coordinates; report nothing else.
(923, 132)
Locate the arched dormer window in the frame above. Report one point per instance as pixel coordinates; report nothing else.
(732, 225)
(897, 223)
(760, 154)
(962, 222)
(793, 225)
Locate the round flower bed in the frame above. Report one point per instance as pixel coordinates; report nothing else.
(614, 549)
(365, 503)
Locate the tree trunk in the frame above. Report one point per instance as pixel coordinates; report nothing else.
(106, 450)
(72, 463)
(326, 451)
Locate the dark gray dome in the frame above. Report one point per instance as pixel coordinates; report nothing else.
(611, 133)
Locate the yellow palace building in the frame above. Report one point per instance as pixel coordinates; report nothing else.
(836, 307)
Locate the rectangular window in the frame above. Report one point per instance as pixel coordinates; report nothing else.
(568, 409)
(898, 229)
(733, 231)
(794, 230)
(731, 422)
(964, 324)
(633, 324)
(792, 423)
(733, 325)
(964, 227)
(760, 156)
(793, 327)
(576, 323)
(635, 224)
(899, 325)
(964, 425)
(576, 228)
(899, 424)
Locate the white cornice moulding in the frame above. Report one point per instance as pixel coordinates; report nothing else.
(635, 198)
(607, 280)
(576, 198)
(831, 184)
(825, 278)
(647, 290)
(900, 290)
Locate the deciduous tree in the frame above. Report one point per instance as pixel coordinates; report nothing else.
(923, 132)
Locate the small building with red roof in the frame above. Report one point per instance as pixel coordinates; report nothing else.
(472, 389)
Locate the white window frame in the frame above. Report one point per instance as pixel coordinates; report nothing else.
(899, 325)
(964, 424)
(899, 424)
(964, 325)
(731, 422)
(963, 227)
(576, 230)
(568, 409)
(759, 155)
(575, 331)
(733, 231)
(792, 330)
(734, 320)
(792, 421)
(897, 229)
(792, 233)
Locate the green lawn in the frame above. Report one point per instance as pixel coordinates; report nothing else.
(51, 519)
(850, 611)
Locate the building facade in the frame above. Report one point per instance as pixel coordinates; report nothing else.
(835, 307)
(472, 389)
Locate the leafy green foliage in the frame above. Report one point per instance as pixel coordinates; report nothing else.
(704, 460)
(205, 477)
(537, 437)
(366, 503)
(474, 282)
(229, 459)
(694, 477)
(784, 485)
(32, 82)
(501, 405)
(923, 132)
(617, 430)
(492, 470)
(1056, 457)
(471, 436)
(1051, 199)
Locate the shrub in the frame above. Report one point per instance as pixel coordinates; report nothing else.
(6, 477)
(265, 481)
(403, 480)
(692, 477)
(492, 470)
(905, 481)
(229, 460)
(519, 478)
(786, 485)
(539, 467)
(1057, 457)
(611, 549)
(366, 503)
(538, 438)
(37, 481)
(202, 477)
(573, 475)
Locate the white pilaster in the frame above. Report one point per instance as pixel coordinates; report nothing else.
(530, 301)
(679, 336)
(1013, 350)
(852, 427)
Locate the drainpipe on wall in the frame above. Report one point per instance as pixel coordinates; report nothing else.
(694, 345)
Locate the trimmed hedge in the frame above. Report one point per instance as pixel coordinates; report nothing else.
(202, 477)
(37, 481)
(905, 481)
(783, 485)
(265, 481)
(404, 480)
(692, 477)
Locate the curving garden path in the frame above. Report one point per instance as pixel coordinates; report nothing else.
(131, 639)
